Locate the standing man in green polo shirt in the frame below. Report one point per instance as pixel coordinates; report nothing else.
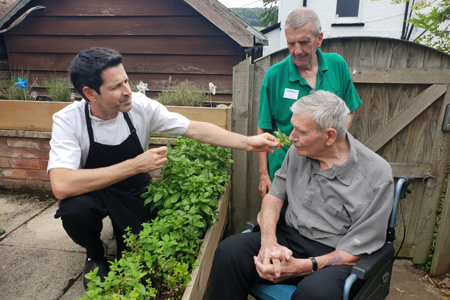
(303, 72)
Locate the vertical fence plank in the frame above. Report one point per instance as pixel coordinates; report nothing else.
(441, 260)
(242, 95)
(253, 194)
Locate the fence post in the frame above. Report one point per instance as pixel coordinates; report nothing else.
(241, 120)
(440, 264)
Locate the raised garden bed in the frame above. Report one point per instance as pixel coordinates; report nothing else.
(197, 287)
(37, 115)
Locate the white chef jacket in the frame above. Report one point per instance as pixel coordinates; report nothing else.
(70, 139)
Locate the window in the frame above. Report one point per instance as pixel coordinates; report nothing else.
(347, 8)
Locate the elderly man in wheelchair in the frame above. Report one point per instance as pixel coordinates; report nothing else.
(339, 195)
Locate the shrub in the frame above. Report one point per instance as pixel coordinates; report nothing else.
(163, 254)
(183, 95)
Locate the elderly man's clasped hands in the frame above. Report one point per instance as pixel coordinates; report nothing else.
(275, 263)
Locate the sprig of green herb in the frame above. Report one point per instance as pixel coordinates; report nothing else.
(282, 138)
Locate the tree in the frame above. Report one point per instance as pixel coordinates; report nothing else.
(435, 23)
(270, 15)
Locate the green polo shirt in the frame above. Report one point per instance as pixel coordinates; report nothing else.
(278, 94)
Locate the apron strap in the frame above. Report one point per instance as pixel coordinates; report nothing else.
(89, 125)
(130, 124)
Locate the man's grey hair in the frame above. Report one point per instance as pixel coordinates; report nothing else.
(300, 17)
(329, 111)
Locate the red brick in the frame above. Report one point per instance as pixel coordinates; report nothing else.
(4, 162)
(28, 164)
(31, 153)
(43, 164)
(13, 174)
(37, 175)
(3, 141)
(10, 152)
(44, 144)
(25, 185)
(23, 153)
(23, 143)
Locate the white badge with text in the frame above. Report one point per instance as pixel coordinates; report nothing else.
(290, 94)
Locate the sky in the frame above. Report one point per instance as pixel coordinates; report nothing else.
(242, 3)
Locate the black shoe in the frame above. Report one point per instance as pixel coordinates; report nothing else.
(90, 265)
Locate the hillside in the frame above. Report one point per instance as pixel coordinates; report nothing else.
(249, 15)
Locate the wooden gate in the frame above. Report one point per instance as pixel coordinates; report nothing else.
(404, 90)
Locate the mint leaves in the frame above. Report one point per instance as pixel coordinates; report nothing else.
(164, 253)
(282, 137)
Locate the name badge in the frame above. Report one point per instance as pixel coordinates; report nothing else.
(290, 94)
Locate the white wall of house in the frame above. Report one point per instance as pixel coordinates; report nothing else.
(374, 18)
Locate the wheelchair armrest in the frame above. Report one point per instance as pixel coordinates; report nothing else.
(371, 263)
(251, 226)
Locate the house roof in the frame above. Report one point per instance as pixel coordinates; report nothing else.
(270, 28)
(236, 28)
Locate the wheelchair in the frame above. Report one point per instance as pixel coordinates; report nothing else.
(374, 270)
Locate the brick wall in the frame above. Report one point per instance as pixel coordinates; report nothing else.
(24, 159)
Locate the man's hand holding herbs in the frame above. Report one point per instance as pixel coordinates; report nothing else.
(263, 143)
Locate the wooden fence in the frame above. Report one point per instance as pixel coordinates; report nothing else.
(404, 90)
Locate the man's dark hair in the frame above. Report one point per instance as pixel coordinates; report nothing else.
(87, 67)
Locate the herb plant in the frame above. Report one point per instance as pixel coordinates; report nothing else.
(163, 254)
(58, 88)
(183, 95)
(282, 138)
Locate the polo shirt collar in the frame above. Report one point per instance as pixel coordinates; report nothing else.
(294, 75)
(345, 172)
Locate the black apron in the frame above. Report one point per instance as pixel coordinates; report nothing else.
(122, 199)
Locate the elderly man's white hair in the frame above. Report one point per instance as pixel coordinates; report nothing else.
(329, 111)
(300, 17)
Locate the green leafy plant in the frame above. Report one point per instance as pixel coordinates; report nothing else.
(163, 254)
(433, 16)
(269, 16)
(10, 90)
(283, 139)
(58, 88)
(183, 95)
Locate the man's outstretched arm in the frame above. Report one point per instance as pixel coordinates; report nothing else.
(212, 134)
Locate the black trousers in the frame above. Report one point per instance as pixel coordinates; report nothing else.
(234, 270)
(82, 219)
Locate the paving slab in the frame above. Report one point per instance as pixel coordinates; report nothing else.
(45, 232)
(37, 274)
(38, 260)
(17, 208)
(76, 291)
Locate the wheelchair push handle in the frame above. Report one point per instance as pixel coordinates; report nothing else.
(404, 186)
(400, 191)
